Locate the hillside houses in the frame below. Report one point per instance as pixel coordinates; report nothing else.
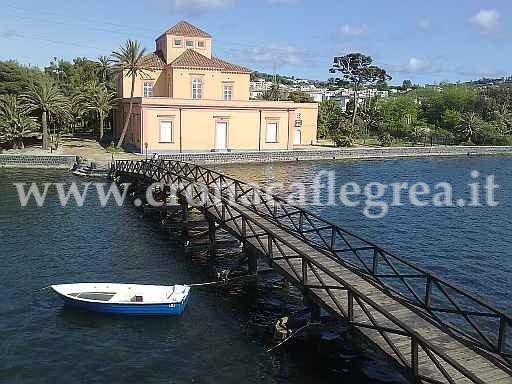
(342, 96)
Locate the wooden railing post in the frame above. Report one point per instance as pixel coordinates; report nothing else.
(415, 364)
(502, 337)
(375, 266)
(244, 228)
(212, 239)
(428, 292)
(304, 272)
(350, 310)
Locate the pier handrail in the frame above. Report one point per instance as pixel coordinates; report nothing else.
(446, 303)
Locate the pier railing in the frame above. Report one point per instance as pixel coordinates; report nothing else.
(463, 314)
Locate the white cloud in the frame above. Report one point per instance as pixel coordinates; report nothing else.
(353, 30)
(274, 56)
(413, 66)
(416, 65)
(486, 19)
(8, 33)
(200, 6)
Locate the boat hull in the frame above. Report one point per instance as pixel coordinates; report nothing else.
(175, 309)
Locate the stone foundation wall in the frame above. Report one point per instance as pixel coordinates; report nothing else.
(338, 153)
(36, 161)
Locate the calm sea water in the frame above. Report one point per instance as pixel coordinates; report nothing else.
(223, 335)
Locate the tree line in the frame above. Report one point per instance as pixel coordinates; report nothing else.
(64, 97)
(61, 98)
(450, 114)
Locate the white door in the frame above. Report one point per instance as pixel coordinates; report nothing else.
(298, 137)
(221, 136)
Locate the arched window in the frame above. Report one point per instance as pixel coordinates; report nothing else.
(197, 89)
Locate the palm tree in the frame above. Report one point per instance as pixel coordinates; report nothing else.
(45, 97)
(103, 68)
(129, 61)
(469, 125)
(15, 122)
(503, 117)
(77, 110)
(101, 101)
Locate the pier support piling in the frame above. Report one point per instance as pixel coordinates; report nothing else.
(184, 216)
(212, 239)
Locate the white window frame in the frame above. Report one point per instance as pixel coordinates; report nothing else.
(160, 139)
(180, 45)
(201, 42)
(197, 89)
(228, 92)
(147, 88)
(269, 138)
(187, 45)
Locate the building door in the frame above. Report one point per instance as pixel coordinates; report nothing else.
(298, 137)
(221, 135)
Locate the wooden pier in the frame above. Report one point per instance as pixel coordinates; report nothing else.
(438, 332)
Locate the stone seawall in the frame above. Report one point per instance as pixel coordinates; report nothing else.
(67, 161)
(37, 161)
(337, 153)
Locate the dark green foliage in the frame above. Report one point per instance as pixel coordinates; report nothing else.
(274, 78)
(299, 97)
(63, 84)
(273, 94)
(14, 78)
(329, 116)
(346, 133)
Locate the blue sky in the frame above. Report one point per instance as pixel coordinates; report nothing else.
(425, 41)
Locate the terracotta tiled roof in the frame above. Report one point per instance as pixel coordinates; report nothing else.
(153, 61)
(193, 59)
(228, 67)
(186, 29)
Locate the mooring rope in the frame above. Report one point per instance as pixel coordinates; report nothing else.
(205, 284)
(42, 289)
(223, 276)
(224, 279)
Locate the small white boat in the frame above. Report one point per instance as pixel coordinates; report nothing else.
(130, 299)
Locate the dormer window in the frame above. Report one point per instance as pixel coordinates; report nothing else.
(201, 44)
(190, 44)
(177, 43)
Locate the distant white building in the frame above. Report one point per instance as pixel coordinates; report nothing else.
(258, 87)
(344, 96)
(341, 96)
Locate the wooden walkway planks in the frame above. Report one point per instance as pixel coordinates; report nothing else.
(333, 299)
